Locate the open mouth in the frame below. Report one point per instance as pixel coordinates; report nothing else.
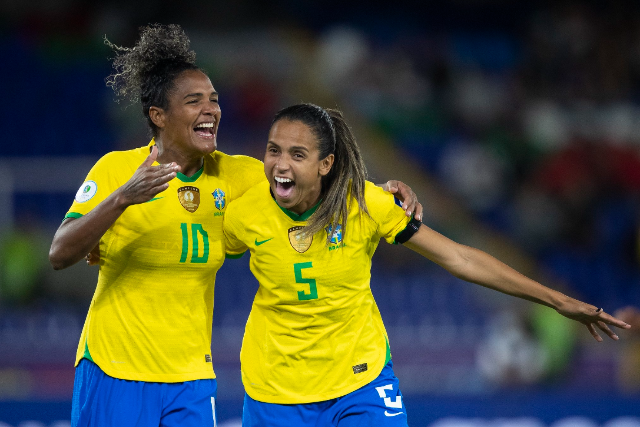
(284, 187)
(205, 130)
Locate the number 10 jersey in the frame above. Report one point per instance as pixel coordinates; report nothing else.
(151, 314)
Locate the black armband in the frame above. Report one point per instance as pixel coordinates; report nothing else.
(409, 231)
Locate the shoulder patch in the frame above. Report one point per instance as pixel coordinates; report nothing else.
(86, 191)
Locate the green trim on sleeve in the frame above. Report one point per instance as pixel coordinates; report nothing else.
(72, 215)
(234, 256)
(154, 199)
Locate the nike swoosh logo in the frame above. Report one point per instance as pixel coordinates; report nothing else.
(389, 414)
(155, 198)
(264, 241)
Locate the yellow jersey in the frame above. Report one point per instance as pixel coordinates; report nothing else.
(151, 314)
(314, 332)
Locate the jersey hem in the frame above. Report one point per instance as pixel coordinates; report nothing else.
(153, 378)
(73, 215)
(267, 398)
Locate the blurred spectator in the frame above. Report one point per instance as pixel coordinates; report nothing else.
(510, 355)
(23, 259)
(629, 356)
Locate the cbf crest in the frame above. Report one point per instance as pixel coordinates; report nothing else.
(336, 237)
(189, 198)
(219, 199)
(300, 242)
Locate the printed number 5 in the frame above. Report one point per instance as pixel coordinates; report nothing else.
(313, 291)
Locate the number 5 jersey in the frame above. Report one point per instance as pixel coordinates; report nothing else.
(314, 332)
(151, 314)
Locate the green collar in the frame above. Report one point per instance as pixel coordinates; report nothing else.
(182, 177)
(294, 216)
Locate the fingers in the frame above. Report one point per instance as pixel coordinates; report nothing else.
(607, 318)
(593, 332)
(391, 186)
(91, 260)
(162, 175)
(604, 328)
(151, 157)
(155, 179)
(406, 195)
(418, 214)
(603, 321)
(93, 257)
(629, 314)
(159, 175)
(148, 181)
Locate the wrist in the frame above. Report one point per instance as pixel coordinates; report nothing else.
(120, 201)
(558, 301)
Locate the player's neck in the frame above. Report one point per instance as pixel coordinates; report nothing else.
(306, 205)
(189, 165)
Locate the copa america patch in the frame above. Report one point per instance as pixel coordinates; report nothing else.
(86, 191)
(189, 198)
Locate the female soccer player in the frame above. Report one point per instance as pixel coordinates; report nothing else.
(156, 213)
(315, 351)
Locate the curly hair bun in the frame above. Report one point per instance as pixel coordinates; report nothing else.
(160, 52)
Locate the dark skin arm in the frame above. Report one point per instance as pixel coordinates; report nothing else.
(77, 237)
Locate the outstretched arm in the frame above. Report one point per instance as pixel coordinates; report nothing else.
(476, 266)
(76, 238)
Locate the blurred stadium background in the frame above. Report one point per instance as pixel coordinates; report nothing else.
(517, 123)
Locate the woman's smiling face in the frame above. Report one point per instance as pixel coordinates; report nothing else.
(293, 167)
(190, 124)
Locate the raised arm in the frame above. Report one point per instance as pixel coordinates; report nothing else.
(476, 266)
(75, 238)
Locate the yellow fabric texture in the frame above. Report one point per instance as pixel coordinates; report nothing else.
(151, 314)
(314, 323)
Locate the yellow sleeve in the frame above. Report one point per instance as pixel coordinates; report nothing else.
(252, 174)
(233, 232)
(98, 185)
(386, 213)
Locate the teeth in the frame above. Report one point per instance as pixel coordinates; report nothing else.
(205, 125)
(282, 180)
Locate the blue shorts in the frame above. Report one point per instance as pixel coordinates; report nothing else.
(378, 403)
(101, 400)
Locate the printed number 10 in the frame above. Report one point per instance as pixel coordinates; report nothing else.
(195, 230)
